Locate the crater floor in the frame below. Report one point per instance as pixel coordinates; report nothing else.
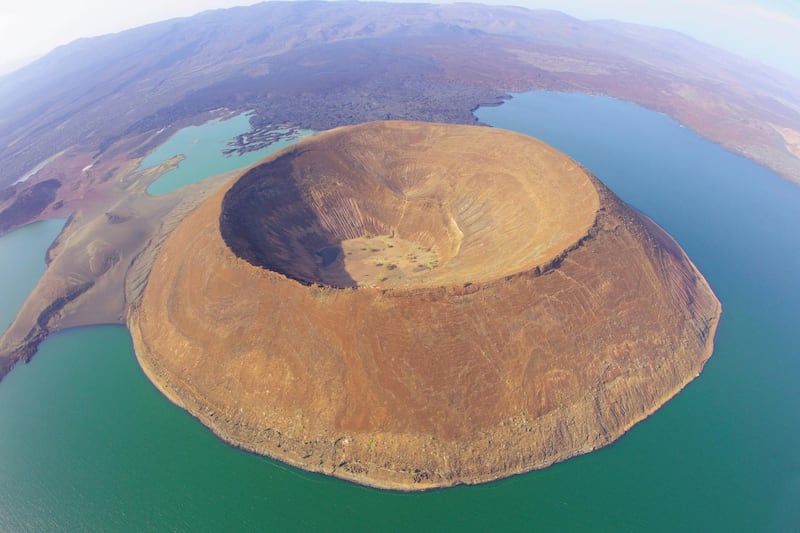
(413, 305)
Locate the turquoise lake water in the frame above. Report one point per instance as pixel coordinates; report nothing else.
(22, 253)
(86, 443)
(202, 148)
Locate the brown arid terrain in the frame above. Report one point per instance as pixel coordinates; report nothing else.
(75, 124)
(91, 277)
(318, 65)
(530, 315)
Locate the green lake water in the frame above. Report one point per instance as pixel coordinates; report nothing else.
(202, 148)
(86, 443)
(22, 263)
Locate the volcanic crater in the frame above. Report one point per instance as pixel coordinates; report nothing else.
(417, 212)
(412, 305)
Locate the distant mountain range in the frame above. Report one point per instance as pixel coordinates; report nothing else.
(319, 65)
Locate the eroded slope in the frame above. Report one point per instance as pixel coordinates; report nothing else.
(491, 365)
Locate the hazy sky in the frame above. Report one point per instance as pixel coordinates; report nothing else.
(768, 30)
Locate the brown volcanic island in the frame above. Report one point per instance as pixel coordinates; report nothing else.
(411, 305)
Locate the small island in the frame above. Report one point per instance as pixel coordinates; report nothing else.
(412, 305)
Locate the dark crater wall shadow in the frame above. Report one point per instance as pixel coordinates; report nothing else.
(267, 221)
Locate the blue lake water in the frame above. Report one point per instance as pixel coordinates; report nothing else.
(202, 148)
(86, 443)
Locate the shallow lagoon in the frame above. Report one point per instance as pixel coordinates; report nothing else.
(87, 443)
(202, 148)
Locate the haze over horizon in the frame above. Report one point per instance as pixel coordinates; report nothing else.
(765, 30)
